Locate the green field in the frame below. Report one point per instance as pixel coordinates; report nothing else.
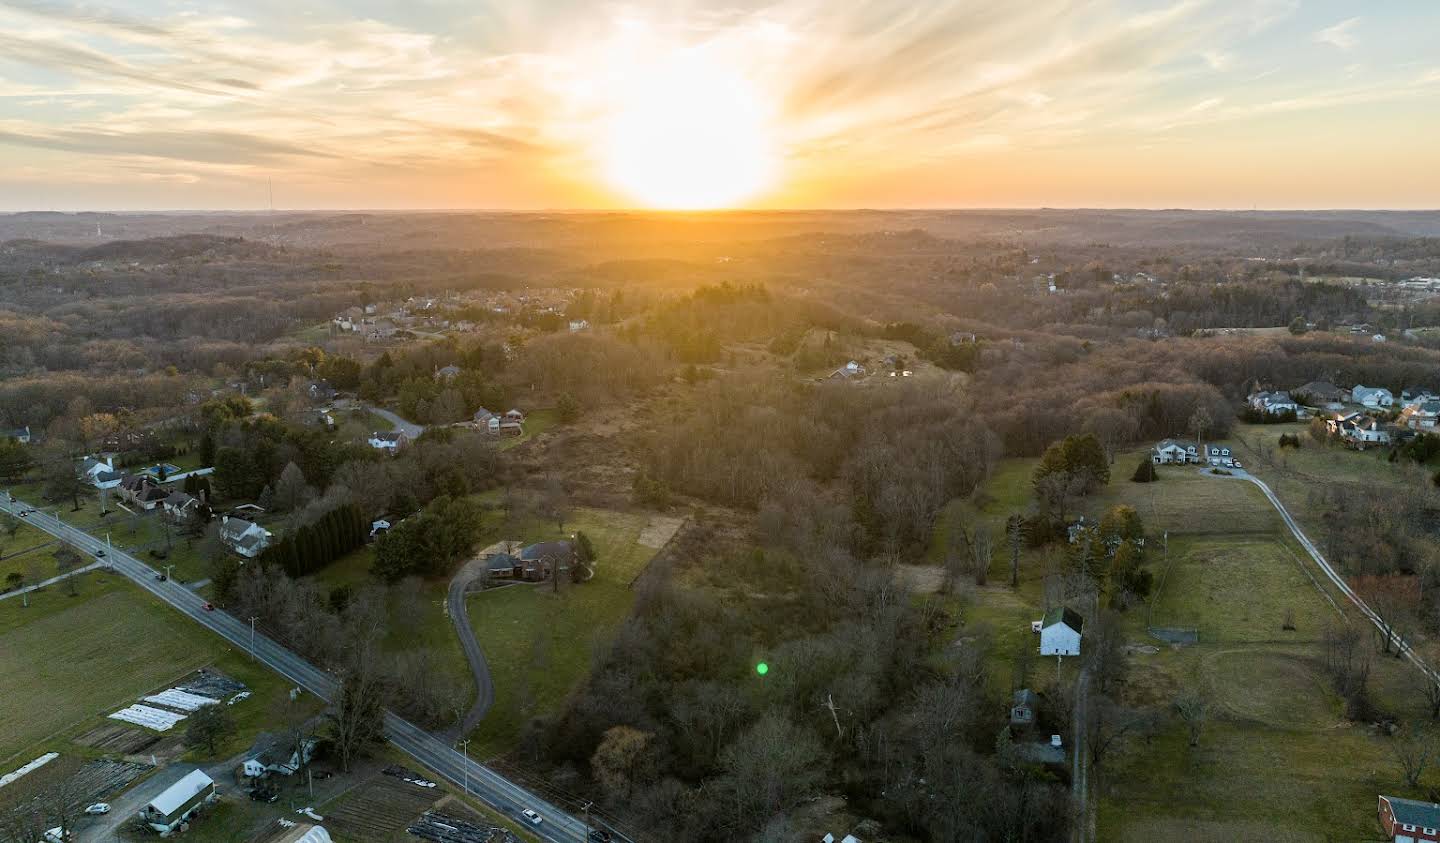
(1239, 590)
(540, 644)
(66, 662)
(1277, 760)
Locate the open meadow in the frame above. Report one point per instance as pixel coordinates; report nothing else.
(1266, 766)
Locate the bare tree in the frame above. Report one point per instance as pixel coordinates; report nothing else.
(1193, 706)
(1432, 696)
(67, 559)
(1107, 724)
(1014, 533)
(1413, 749)
(555, 505)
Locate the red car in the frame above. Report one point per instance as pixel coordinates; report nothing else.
(209, 607)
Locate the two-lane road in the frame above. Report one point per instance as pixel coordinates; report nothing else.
(436, 755)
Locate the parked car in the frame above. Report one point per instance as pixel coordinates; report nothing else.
(98, 808)
(531, 817)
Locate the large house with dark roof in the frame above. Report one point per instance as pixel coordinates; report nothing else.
(1409, 820)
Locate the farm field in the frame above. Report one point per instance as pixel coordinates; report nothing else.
(539, 644)
(66, 662)
(1233, 573)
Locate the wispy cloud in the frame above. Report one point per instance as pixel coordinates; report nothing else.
(1339, 36)
(502, 103)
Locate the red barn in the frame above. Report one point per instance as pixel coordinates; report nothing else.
(1409, 821)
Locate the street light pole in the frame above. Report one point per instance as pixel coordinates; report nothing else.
(586, 811)
(253, 618)
(464, 747)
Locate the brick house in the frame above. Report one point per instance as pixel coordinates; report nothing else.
(1408, 820)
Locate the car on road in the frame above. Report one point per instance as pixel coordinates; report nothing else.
(24, 513)
(98, 808)
(99, 554)
(161, 577)
(209, 607)
(599, 835)
(531, 817)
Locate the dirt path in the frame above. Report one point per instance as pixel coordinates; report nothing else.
(1080, 774)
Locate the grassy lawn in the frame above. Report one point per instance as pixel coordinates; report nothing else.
(1238, 590)
(539, 644)
(536, 423)
(27, 548)
(69, 661)
(1294, 472)
(64, 663)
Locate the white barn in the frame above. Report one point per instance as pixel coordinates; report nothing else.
(179, 802)
(1060, 632)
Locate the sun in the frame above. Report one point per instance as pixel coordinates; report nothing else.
(688, 135)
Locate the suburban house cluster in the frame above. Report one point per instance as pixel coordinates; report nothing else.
(1185, 452)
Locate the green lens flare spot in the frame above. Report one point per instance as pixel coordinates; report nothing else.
(762, 668)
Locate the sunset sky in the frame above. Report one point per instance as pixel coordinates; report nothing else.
(171, 104)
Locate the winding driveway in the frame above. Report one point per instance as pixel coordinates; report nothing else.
(410, 429)
(479, 668)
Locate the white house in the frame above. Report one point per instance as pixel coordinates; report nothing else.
(1273, 403)
(1372, 396)
(276, 754)
(1219, 456)
(179, 802)
(1421, 414)
(1174, 451)
(244, 536)
(101, 475)
(848, 371)
(1358, 429)
(389, 441)
(1060, 632)
(578, 325)
(19, 434)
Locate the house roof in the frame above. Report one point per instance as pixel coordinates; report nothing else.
(502, 562)
(1360, 393)
(1024, 696)
(541, 550)
(1414, 812)
(387, 436)
(177, 794)
(1182, 444)
(1065, 615)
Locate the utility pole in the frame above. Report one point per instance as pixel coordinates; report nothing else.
(464, 753)
(253, 618)
(586, 811)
